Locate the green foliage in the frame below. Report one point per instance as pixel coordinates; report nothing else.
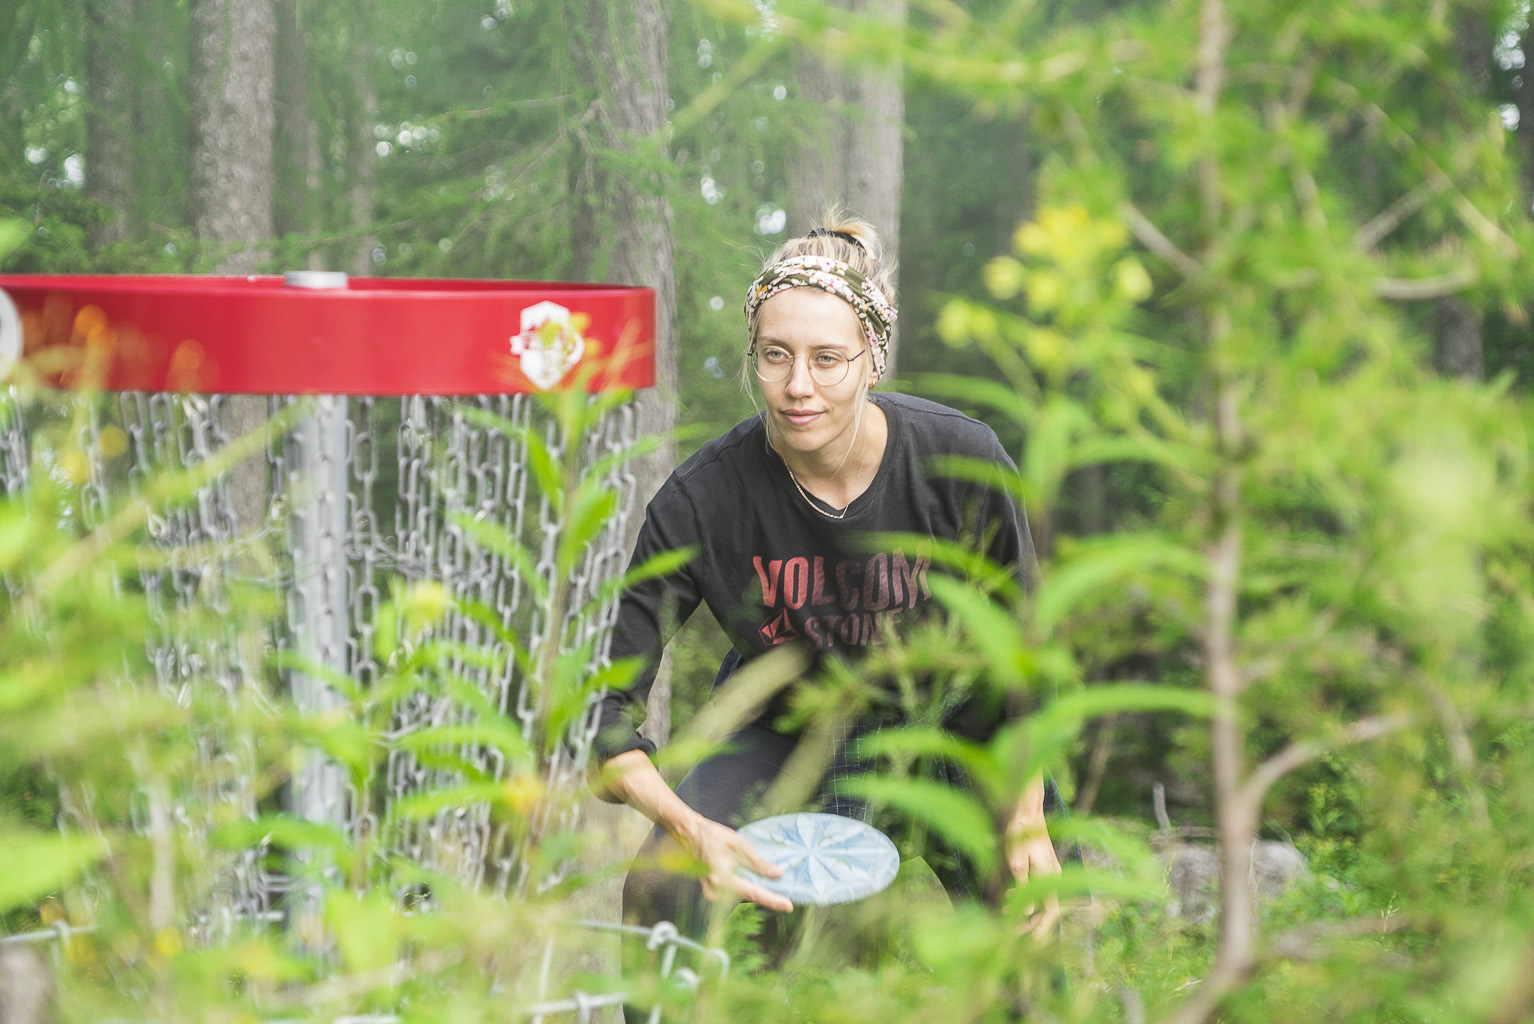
(164, 797)
(1216, 295)
(1194, 278)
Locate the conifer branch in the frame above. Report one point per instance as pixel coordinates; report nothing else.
(1394, 215)
(1302, 752)
(1307, 941)
(1417, 288)
(1151, 237)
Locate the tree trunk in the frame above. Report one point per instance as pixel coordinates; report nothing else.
(109, 149)
(623, 221)
(364, 185)
(1460, 327)
(622, 233)
(161, 116)
(296, 148)
(232, 88)
(232, 174)
(856, 159)
(1460, 339)
(15, 99)
(1525, 133)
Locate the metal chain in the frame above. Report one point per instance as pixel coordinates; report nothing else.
(662, 940)
(15, 475)
(15, 452)
(201, 545)
(334, 561)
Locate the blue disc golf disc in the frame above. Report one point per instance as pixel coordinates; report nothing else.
(826, 858)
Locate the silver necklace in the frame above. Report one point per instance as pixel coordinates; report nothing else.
(816, 505)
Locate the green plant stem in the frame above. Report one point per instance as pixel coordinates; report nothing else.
(553, 626)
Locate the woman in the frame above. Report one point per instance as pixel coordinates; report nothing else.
(793, 515)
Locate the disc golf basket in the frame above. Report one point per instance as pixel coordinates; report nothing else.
(410, 412)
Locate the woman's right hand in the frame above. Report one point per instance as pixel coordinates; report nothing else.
(632, 778)
(721, 849)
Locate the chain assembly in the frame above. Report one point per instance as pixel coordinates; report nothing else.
(361, 499)
(356, 626)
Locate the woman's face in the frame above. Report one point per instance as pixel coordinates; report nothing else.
(807, 324)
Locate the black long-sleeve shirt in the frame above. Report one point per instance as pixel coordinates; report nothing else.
(773, 570)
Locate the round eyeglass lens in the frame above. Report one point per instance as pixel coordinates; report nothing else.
(827, 369)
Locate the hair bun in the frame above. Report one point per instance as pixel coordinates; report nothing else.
(843, 235)
(849, 240)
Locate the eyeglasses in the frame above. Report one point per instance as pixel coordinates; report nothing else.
(827, 368)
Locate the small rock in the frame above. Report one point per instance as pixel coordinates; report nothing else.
(1193, 874)
(1275, 867)
(26, 986)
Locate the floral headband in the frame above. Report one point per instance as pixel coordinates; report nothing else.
(873, 310)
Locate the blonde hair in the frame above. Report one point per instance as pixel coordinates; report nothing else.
(865, 255)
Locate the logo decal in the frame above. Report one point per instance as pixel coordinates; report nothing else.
(10, 335)
(549, 345)
(778, 630)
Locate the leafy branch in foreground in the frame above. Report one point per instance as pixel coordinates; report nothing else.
(217, 846)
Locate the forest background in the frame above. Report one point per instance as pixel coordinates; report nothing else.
(1242, 285)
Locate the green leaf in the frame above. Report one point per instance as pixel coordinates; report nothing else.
(1098, 564)
(996, 395)
(21, 691)
(341, 682)
(617, 675)
(1040, 740)
(469, 693)
(386, 636)
(455, 652)
(1124, 847)
(663, 564)
(981, 471)
(493, 421)
(18, 535)
(334, 732)
(588, 512)
(283, 832)
(1075, 882)
(951, 813)
(654, 567)
(433, 802)
(367, 929)
(1094, 451)
(482, 614)
(493, 537)
(535, 452)
(957, 556)
(498, 733)
(603, 467)
(13, 235)
(928, 741)
(34, 864)
(1124, 698)
(994, 629)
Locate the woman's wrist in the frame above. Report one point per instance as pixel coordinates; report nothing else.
(633, 779)
(1028, 815)
(681, 822)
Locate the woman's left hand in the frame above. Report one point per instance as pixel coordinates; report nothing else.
(1030, 852)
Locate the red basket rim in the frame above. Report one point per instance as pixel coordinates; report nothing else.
(364, 336)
